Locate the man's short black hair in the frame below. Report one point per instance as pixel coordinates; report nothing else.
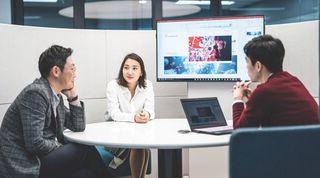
(54, 56)
(266, 49)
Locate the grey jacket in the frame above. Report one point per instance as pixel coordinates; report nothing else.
(26, 131)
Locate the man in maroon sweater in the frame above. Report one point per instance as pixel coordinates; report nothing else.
(280, 99)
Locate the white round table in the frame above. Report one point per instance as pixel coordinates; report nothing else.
(161, 134)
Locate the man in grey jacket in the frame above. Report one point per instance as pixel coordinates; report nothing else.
(31, 138)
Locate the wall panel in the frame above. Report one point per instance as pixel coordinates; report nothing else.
(301, 41)
(21, 47)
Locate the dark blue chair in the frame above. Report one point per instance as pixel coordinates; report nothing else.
(124, 168)
(275, 152)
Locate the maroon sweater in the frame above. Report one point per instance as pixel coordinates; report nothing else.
(282, 100)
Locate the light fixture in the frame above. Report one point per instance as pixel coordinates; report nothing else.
(200, 2)
(227, 3)
(40, 0)
(259, 9)
(33, 17)
(193, 2)
(128, 9)
(142, 1)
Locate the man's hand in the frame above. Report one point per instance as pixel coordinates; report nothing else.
(70, 93)
(241, 90)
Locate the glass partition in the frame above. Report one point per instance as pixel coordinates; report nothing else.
(46, 13)
(136, 14)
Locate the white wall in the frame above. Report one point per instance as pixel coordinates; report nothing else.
(21, 47)
(301, 41)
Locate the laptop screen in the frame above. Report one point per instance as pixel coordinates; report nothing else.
(203, 112)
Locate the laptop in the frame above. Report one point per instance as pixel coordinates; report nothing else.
(205, 116)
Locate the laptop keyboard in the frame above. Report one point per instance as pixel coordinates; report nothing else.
(213, 129)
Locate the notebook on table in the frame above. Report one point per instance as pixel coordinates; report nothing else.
(204, 115)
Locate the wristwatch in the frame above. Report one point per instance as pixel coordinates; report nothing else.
(73, 99)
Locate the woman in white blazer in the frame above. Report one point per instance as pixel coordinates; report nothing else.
(130, 98)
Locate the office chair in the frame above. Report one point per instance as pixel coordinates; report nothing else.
(275, 152)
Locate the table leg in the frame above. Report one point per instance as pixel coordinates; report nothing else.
(169, 163)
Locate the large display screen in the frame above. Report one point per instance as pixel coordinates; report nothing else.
(205, 49)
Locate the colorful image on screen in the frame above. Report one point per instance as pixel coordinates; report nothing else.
(210, 48)
(181, 65)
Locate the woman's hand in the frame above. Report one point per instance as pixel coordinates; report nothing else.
(142, 117)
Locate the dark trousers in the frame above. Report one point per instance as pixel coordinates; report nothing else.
(73, 161)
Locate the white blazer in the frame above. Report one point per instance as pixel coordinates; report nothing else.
(120, 105)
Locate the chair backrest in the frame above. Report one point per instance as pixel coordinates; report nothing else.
(275, 152)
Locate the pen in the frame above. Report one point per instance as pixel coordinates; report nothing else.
(141, 112)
